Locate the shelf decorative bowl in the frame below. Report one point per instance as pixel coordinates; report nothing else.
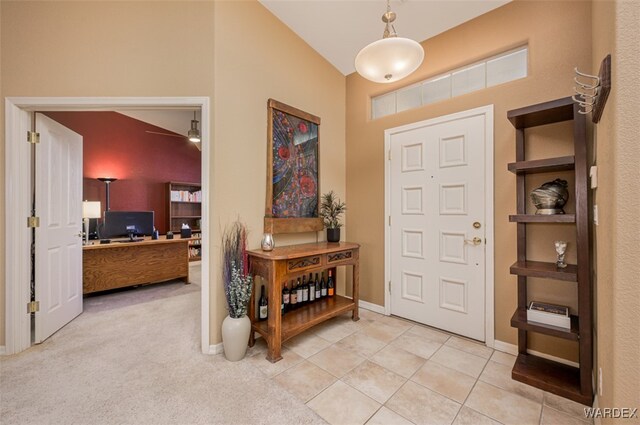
(551, 197)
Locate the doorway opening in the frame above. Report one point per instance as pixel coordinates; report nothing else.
(19, 116)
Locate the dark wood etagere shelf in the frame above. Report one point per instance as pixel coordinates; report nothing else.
(533, 218)
(566, 381)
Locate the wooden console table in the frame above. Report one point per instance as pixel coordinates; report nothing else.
(118, 265)
(290, 262)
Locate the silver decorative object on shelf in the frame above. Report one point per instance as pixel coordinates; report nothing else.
(267, 243)
(561, 249)
(551, 197)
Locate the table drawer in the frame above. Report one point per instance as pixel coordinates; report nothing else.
(300, 264)
(337, 257)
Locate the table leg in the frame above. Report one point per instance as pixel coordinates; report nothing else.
(252, 304)
(356, 289)
(274, 317)
(186, 278)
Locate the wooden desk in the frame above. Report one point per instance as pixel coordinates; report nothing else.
(289, 262)
(117, 265)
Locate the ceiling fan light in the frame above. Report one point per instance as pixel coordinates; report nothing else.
(194, 134)
(390, 59)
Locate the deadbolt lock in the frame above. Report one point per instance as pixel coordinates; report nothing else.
(476, 224)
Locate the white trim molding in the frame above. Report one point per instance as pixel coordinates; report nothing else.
(18, 119)
(505, 347)
(372, 307)
(215, 349)
(487, 112)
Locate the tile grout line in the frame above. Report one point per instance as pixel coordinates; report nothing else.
(470, 391)
(409, 380)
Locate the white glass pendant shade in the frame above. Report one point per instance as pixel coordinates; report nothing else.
(390, 59)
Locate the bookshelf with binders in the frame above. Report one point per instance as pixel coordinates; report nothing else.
(184, 206)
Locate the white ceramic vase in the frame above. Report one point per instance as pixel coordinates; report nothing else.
(235, 337)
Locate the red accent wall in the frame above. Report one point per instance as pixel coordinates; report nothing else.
(116, 145)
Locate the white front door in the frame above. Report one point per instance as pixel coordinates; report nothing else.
(58, 239)
(437, 231)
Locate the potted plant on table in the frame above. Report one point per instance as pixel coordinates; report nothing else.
(331, 209)
(238, 285)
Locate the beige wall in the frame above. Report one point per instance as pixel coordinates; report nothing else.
(103, 49)
(559, 38)
(618, 200)
(257, 57)
(239, 59)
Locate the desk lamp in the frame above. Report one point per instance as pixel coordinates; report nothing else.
(90, 209)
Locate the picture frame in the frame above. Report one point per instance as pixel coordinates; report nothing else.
(293, 170)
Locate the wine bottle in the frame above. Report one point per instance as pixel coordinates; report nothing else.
(318, 288)
(293, 296)
(263, 304)
(312, 289)
(323, 285)
(299, 291)
(285, 298)
(330, 289)
(305, 290)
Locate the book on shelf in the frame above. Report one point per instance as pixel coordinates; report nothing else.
(549, 314)
(186, 196)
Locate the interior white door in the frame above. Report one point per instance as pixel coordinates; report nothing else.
(437, 205)
(58, 239)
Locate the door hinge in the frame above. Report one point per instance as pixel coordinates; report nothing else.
(389, 155)
(33, 222)
(389, 286)
(33, 306)
(33, 137)
(389, 220)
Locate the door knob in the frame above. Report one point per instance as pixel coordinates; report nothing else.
(476, 225)
(81, 234)
(474, 241)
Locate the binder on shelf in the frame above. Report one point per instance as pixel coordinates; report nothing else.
(549, 314)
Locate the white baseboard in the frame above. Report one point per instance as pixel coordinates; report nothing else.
(219, 348)
(505, 347)
(371, 307)
(216, 349)
(3, 350)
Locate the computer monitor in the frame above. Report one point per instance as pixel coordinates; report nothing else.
(127, 223)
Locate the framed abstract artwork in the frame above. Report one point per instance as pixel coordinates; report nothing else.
(293, 166)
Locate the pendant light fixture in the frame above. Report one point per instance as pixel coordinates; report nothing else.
(194, 132)
(390, 59)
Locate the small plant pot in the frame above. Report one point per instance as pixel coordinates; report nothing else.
(333, 235)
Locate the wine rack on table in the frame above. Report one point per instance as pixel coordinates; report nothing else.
(290, 262)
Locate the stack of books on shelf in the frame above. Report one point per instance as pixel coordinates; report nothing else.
(549, 314)
(194, 252)
(186, 196)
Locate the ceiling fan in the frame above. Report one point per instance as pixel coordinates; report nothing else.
(180, 136)
(193, 135)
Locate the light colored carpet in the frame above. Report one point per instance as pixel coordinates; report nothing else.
(134, 358)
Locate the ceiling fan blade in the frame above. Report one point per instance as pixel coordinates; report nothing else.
(165, 134)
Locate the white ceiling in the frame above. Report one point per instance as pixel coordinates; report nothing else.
(339, 29)
(174, 120)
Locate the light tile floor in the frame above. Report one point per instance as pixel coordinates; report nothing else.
(385, 370)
